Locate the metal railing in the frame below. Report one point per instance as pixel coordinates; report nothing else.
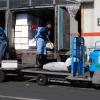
(3, 4)
(18, 3)
(41, 2)
(31, 3)
(28, 3)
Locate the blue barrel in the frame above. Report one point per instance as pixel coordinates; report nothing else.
(94, 61)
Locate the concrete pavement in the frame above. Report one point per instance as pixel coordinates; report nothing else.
(14, 90)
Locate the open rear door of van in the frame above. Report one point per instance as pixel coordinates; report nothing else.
(63, 29)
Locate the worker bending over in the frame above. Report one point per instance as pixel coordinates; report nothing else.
(41, 37)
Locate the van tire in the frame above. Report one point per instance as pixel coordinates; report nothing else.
(2, 76)
(42, 79)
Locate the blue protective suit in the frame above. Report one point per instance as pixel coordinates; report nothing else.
(3, 43)
(41, 37)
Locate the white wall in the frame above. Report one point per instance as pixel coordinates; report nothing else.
(87, 18)
(90, 28)
(96, 15)
(87, 22)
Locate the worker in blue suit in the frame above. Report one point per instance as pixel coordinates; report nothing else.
(3, 43)
(41, 36)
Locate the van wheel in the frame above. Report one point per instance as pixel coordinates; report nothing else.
(42, 80)
(20, 76)
(2, 76)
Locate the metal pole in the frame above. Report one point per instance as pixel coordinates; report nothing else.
(6, 18)
(55, 23)
(30, 2)
(7, 4)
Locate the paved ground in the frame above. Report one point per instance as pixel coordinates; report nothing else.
(24, 90)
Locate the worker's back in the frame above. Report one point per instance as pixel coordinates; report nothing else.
(41, 32)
